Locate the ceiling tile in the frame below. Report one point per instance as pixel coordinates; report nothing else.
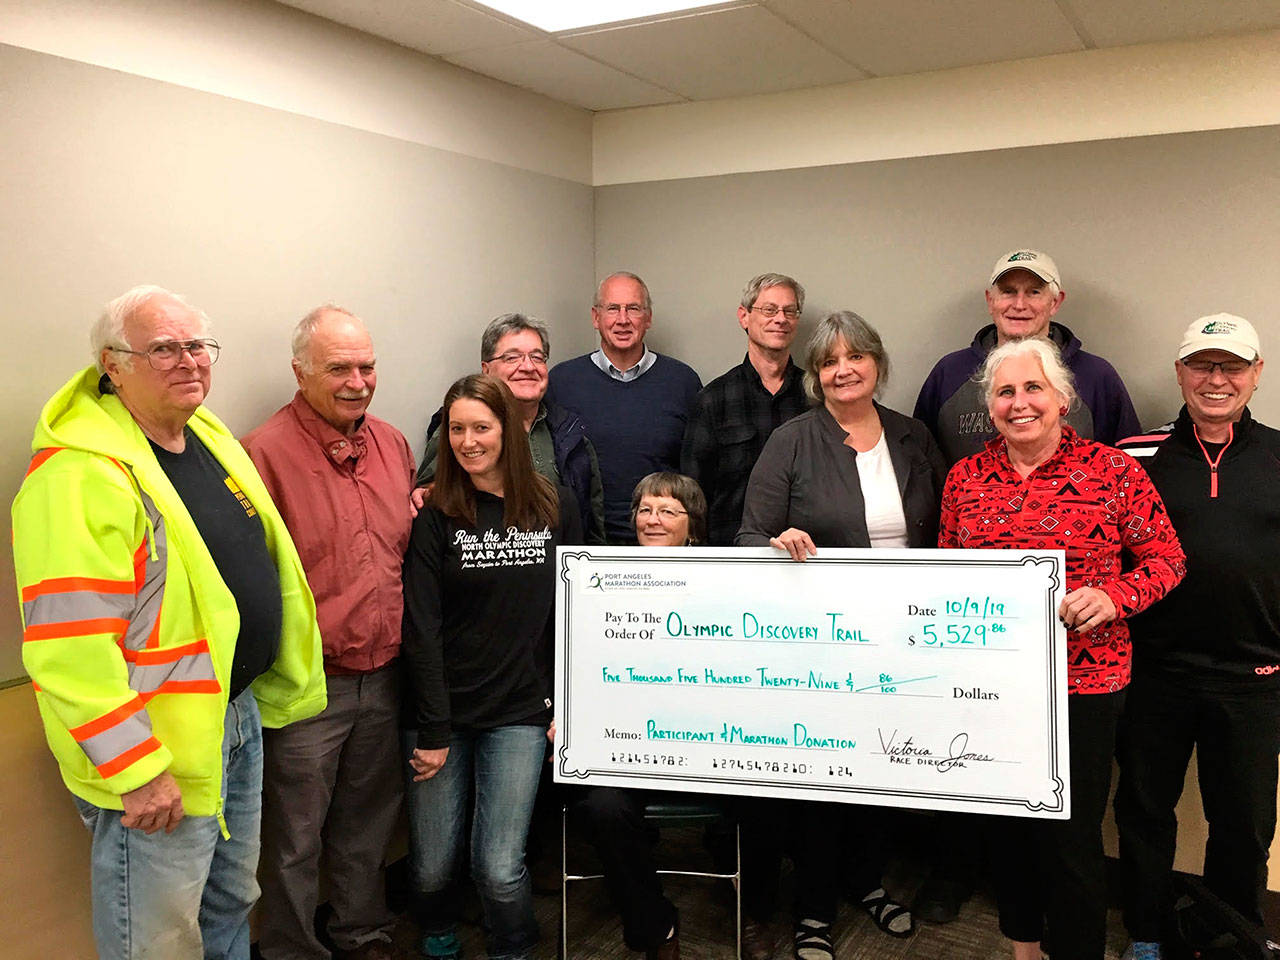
(888, 38)
(562, 74)
(432, 26)
(1149, 21)
(763, 46)
(725, 53)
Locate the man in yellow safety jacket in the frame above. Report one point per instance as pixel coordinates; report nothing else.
(166, 619)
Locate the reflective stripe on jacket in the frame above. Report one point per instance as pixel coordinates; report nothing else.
(129, 630)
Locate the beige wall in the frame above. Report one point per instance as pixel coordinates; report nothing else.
(1149, 232)
(260, 161)
(1090, 95)
(257, 214)
(111, 179)
(269, 54)
(44, 849)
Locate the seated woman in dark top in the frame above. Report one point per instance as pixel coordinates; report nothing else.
(848, 473)
(479, 580)
(667, 510)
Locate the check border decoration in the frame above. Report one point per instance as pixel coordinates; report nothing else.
(1052, 803)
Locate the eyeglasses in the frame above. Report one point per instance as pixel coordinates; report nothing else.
(1034, 295)
(1232, 368)
(513, 358)
(665, 514)
(167, 354)
(771, 310)
(633, 310)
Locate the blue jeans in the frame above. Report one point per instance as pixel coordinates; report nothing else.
(504, 764)
(184, 895)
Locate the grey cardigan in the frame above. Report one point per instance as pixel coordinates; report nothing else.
(807, 478)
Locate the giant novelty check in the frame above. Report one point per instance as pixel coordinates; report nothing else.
(911, 678)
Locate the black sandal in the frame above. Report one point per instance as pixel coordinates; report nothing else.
(886, 912)
(813, 941)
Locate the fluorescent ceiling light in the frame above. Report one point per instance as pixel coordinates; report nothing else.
(557, 15)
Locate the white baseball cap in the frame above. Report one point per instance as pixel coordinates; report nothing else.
(1041, 264)
(1221, 331)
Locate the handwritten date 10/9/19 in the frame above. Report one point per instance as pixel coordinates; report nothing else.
(966, 608)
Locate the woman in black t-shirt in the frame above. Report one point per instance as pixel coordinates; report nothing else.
(479, 582)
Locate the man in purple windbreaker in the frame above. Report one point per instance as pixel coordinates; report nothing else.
(1024, 293)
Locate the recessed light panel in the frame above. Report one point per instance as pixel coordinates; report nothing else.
(555, 16)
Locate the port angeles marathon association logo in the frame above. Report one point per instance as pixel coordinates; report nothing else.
(613, 582)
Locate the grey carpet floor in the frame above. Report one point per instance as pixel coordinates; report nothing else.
(707, 910)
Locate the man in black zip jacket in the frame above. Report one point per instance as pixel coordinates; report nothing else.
(1206, 658)
(515, 348)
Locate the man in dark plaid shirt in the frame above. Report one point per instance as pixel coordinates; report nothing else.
(734, 414)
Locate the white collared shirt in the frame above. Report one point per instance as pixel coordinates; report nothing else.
(647, 360)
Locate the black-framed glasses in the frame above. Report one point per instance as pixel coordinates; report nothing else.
(771, 310)
(167, 354)
(513, 358)
(1232, 368)
(663, 513)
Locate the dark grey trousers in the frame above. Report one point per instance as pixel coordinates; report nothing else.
(332, 787)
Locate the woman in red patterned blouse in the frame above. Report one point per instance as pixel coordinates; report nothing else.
(1041, 486)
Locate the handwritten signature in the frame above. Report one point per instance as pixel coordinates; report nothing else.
(907, 751)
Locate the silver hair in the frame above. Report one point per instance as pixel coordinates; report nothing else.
(507, 323)
(751, 292)
(108, 328)
(648, 301)
(306, 328)
(1055, 371)
(857, 334)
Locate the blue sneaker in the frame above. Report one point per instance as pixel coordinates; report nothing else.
(1143, 950)
(441, 946)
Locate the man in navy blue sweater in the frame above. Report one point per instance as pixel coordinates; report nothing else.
(633, 402)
